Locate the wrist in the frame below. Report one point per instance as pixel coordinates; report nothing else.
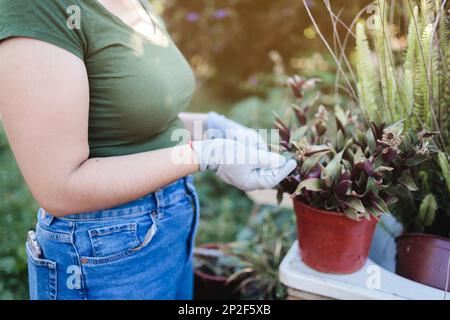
(209, 153)
(185, 159)
(194, 158)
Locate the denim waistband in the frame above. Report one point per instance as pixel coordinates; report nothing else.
(154, 201)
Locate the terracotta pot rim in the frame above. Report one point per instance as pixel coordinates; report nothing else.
(207, 276)
(214, 245)
(210, 277)
(333, 213)
(440, 239)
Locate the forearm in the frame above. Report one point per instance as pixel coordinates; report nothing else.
(101, 183)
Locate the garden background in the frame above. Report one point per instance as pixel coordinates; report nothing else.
(241, 52)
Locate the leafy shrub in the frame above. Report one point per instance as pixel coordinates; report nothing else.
(351, 170)
(229, 41)
(414, 86)
(402, 73)
(261, 246)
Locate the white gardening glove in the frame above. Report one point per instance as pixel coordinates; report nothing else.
(241, 166)
(218, 126)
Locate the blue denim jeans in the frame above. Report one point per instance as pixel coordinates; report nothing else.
(139, 250)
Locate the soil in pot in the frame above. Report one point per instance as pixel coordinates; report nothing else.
(424, 258)
(213, 269)
(330, 242)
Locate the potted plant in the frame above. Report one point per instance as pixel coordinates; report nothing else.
(214, 267)
(343, 179)
(416, 87)
(406, 75)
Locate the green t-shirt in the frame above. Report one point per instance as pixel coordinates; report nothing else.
(138, 86)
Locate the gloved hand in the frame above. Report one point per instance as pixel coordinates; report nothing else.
(219, 126)
(244, 167)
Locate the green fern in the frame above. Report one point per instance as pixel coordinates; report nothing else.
(428, 11)
(444, 75)
(445, 168)
(387, 70)
(415, 88)
(368, 89)
(422, 105)
(427, 211)
(408, 67)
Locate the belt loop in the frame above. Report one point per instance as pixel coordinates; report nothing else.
(45, 218)
(160, 203)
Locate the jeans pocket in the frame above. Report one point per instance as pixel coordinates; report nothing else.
(42, 277)
(115, 243)
(114, 239)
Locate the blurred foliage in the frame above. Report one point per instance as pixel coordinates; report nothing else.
(251, 262)
(17, 216)
(270, 95)
(229, 41)
(217, 263)
(257, 112)
(224, 209)
(261, 246)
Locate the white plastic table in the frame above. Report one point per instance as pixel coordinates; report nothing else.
(371, 282)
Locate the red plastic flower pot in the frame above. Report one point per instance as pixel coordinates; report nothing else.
(213, 287)
(424, 258)
(330, 242)
(209, 287)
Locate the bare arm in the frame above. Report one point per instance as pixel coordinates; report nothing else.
(44, 105)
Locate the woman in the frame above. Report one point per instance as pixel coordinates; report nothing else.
(91, 97)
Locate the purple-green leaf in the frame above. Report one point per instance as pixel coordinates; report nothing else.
(389, 154)
(352, 214)
(310, 185)
(341, 119)
(312, 150)
(300, 114)
(354, 203)
(416, 160)
(298, 134)
(379, 204)
(332, 170)
(311, 163)
(407, 181)
(359, 156)
(342, 188)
